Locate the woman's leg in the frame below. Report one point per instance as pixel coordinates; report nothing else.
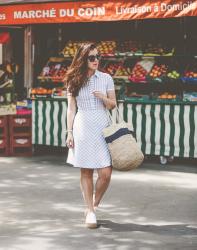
(102, 183)
(87, 187)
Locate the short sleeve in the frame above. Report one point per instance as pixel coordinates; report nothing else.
(110, 83)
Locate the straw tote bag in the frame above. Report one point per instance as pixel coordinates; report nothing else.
(124, 150)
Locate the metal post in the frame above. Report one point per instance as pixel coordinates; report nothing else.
(29, 58)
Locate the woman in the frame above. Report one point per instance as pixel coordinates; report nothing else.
(90, 93)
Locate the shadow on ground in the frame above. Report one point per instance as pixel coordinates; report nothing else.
(150, 208)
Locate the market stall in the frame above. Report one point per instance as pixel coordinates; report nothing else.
(149, 49)
(15, 113)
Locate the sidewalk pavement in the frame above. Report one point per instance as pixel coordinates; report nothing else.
(151, 208)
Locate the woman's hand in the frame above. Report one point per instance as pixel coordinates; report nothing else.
(109, 100)
(99, 94)
(70, 140)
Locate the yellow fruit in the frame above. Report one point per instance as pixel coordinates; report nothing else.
(9, 68)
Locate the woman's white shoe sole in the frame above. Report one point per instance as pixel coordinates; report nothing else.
(90, 220)
(91, 225)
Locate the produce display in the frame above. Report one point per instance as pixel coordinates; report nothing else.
(139, 48)
(128, 46)
(71, 48)
(158, 70)
(174, 74)
(123, 71)
(190, 74)
(138, 73)
(167, 95)
(44, 92)
(36, 92)
(141, 70)
(54, 70)
(107, 48)
(111, 68)
(153, 49)
(130, 61)
(117, 69)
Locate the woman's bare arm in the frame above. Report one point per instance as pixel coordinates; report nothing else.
(71, 111)
(109, 100)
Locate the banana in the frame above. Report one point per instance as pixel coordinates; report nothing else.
(9, 68)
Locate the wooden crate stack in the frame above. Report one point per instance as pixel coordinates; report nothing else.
(4, 141)
(20, 135)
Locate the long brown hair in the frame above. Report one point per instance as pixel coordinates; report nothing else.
(76, 75)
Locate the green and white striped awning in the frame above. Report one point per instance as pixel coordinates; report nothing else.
(49, 122)
(161, 129)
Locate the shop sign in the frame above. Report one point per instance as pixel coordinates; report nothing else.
(67, 12)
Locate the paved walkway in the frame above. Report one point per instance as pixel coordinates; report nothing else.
(151, 208)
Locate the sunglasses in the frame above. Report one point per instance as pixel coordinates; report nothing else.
(92, 58)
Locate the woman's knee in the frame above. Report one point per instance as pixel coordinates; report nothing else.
(86, 173)
(105, 175)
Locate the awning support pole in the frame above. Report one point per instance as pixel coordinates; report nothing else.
(29, 58)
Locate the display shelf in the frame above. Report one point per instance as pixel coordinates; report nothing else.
(127, 55)
(50, 79)
(58, 59)
(141, 101)
(189, 80)
(120, 77)
(128, 59)
(157, 81)
(51, 99)
(130, 55)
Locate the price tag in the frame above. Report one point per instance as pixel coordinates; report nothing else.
(46, 70)
(21, 141)
(20, 120)
(58, 66)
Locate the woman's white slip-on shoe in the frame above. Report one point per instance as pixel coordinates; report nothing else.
(90, 220)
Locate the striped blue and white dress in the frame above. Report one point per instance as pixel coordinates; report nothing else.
(90, 149)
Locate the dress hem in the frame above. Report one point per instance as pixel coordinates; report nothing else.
(92, 168)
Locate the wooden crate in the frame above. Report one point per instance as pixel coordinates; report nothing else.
(4, 141)
(20, 129)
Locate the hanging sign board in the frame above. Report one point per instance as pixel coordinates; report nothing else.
(93, 11)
